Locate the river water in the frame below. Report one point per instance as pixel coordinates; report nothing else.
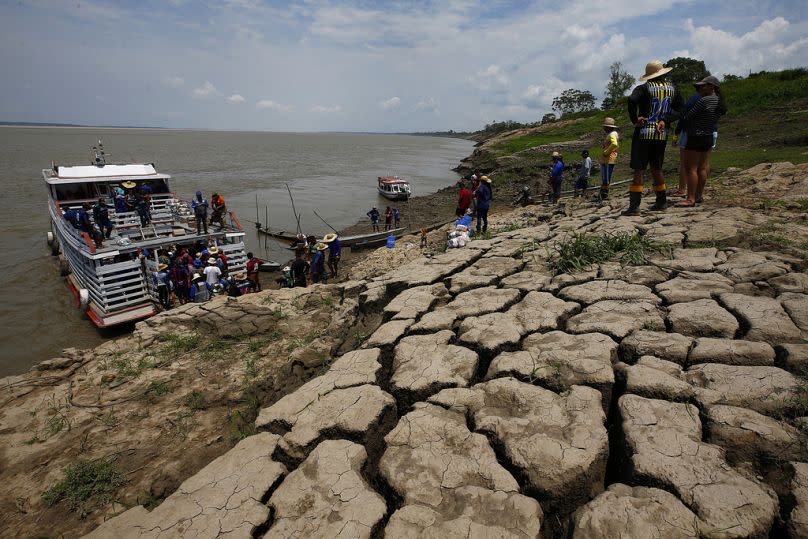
(332, 173)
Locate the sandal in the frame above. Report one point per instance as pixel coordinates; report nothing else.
(685, 204)
(679, 193)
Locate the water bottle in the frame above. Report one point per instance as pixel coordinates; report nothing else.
(391, 242)
(715, 138)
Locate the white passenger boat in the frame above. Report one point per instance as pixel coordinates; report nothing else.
(394, 188)
(113, 282)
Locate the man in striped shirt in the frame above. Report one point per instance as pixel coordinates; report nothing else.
(652, 107)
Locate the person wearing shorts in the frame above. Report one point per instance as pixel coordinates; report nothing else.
(652, 106)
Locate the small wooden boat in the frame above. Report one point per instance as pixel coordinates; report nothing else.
(360, 241)
(269, 266)
(394, 188)
(282, 235)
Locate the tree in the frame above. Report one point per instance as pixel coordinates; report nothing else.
(572, 100)
(619, 83)
(730, 77)
(548, 118)
(686, 71)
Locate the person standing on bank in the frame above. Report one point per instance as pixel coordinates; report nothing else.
(253, 269)
(317, 269)
(334, 252)
(583, 175)
(701, 120)
(374, 218)
(652, 107)
(163, 285)
(556, 177)
(484, 197)
(388, 218)
(608, 157)
(463, 201)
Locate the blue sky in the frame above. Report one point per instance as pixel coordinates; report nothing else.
(319, 65)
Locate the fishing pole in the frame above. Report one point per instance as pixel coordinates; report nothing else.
(326, 222)
(294, 211)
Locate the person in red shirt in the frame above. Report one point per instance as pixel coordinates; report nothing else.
(219, 209)
(252, 271)
(388, 218)
(463, 201)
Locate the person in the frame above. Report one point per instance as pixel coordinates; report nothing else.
(200, 207)
(179, 281)
(317, 269)
(388, 218)
(212, 272)
(582, 183)
(556, 177)
(287, 278)
(253, 271)
(397, 217)
(701, 120)
(218, 208)
(484, 197)
(652, 107)
(101, 218)
(475, 186)
(199, 291)
(334, 252)
(86, 225)
(608, 157)
(463, 201)
(221, 259)
(120, 201)
(163, 285)
(300, 269)
(374, 218)
(72, 217)
(241, 284)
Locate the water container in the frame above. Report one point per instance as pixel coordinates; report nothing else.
(391, 242)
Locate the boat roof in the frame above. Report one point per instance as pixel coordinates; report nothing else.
(392, 179)
(106, 173)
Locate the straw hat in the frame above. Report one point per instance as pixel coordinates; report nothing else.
(556, 155)
(485, 179)
(609, 122)
(240, 276)
(328, 238)
(196, 277)
(655, 69)
(213, 250)
(129, 185)
(161, 266)
(211, 260)
(322, 246)
(286, 268)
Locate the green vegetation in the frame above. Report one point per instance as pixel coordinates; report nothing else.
(241, 418)
(580, 251)
(195, 401)
(176, 345)
(86, 486)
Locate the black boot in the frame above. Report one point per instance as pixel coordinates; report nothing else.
(661, 201)
(634, 204)
(604, 193)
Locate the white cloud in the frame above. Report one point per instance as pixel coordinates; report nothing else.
(491, 79)
(205, 91)
(392, 103)
(540, 96)
(173, 81)
(320, 109)
(427, 104)
(235, 98)
(774, 44)
(272, 105)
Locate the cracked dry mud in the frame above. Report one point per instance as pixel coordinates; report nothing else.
(495, 399)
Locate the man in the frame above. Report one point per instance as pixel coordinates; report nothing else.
(200, 207)
(463, 201)
(300, 269)
(374, 218)
(101, 216)
(163, 285)
(334, 252)
(253, 271)
(199, 292)
(556, 177)
(212, 273)
(396, 217)
(652, 107)
(583, 174)
(219, 209)
(484, 197)
(317, 269)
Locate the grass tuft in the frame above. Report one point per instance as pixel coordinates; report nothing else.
(582, 250)
(86, 486)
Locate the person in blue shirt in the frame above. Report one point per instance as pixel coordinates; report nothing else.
(556, 176)
(101, 216)
(374, 218)
(317, 269)
(484, 196)
(397, 217)
(199, 292)
(163, 285)
(334, 252)
(200, 207)
(72, 217)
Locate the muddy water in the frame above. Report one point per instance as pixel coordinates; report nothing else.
(332, 173)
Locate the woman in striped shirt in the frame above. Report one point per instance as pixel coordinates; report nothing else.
(700, 121)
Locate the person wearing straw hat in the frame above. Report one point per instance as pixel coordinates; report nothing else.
(484, 196)
(334, 252)
(163, 285)
(317, 269)
(556, 177)
(212, 272)
(199, 292)
(608, 157)
(652, 106)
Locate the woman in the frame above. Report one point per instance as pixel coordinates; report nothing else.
(700, 121)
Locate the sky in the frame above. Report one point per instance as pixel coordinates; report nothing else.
(320, 65)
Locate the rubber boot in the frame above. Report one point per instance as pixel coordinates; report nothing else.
(604, 193)
(661, 201)
(634, 204)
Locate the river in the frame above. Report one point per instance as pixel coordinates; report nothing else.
(334, 173)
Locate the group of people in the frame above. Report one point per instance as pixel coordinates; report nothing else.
(309, 265)
(217, 209)
(99, 228)
(392, 218)
(476, 201)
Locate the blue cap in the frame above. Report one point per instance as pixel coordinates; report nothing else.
(199, 193)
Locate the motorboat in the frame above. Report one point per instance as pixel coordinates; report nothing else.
(394, 188)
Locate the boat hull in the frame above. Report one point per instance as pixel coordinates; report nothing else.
(394, 196)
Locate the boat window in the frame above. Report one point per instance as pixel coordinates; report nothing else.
(157, 186)
(75, 191)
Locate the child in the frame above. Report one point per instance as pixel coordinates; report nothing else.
(556, 177)
(608, 158)
(423, 238)
(583, 174)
